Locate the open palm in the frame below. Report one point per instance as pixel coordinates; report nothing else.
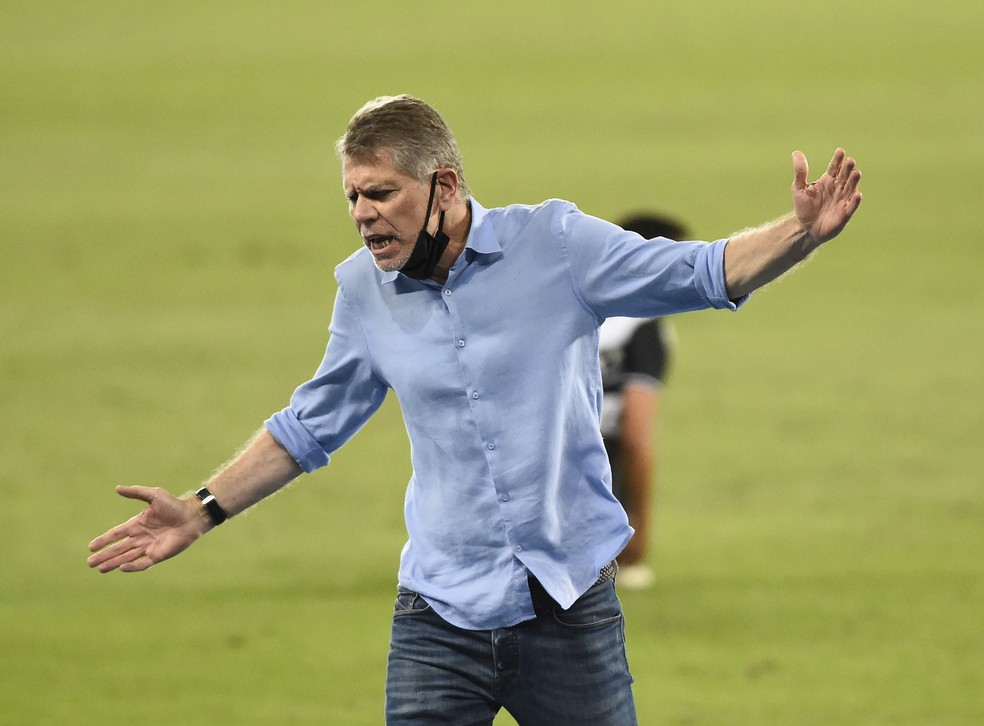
(827, 205)
(164, 529)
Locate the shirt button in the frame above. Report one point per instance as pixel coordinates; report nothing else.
(474, 394)
(461, 342)
(505, 497)
(518, 548)
(447, 291)
(490, 446)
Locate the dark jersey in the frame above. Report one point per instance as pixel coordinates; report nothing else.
(631, 350)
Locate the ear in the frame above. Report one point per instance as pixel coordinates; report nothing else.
(447, 189)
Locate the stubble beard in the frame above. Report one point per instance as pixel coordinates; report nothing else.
(395, 264)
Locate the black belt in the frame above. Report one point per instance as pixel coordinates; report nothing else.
(543, 603)
(607, 573)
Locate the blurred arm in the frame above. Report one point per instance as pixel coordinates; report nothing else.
(821, 211)
(169, 524)
(640, 406)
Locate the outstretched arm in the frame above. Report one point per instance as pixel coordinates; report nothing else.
(169, 524)
(821, 210)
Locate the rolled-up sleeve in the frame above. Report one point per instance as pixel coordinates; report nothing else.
(285, 427)
(328, 410)
(709, 277)
(619, 273)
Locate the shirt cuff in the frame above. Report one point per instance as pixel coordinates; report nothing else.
(290, 433)
(709, 271)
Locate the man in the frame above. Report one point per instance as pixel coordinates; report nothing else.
(635, 356)
(485, 325)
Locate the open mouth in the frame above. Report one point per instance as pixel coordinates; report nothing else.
(378, 242)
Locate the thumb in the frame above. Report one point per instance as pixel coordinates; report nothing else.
(801, 170)
(144, 494)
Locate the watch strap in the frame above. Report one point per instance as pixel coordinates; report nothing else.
(215, 511)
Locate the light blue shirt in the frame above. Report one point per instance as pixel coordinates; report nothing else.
(497, 376)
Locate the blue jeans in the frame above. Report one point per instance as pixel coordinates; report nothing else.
(564, 667)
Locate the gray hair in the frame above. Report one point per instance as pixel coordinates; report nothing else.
(409, 129)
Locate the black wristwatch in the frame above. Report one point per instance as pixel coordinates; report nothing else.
(215, 511)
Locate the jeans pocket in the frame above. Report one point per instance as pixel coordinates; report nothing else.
(597, 607)
(409, 602)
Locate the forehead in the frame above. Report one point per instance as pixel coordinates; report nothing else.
(376, 171)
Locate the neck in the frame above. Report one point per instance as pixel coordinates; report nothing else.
(457, 223)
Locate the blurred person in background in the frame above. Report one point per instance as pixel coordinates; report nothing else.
(484, 322)
(635, 359)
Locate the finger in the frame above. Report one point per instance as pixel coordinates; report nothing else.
(102, 558)
(846, 170)
(117, 533)
(143, 494)
(110, 562)
(122, 531)
(114, 550)
(801, 170)
(854, 204)
(850, 176)
(853, 181)
(138, 565)
(833, 169)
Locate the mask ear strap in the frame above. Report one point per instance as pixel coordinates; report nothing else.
(430, 200)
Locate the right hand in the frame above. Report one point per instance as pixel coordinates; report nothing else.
(167, 527)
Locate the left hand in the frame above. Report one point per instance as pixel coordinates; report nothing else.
(826, 206)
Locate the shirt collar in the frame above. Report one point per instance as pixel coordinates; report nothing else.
(481, 238)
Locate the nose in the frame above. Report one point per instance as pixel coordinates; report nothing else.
(363, 210)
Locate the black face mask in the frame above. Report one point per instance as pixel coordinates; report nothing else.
(429, 247)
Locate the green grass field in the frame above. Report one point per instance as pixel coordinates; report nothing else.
(170, 213)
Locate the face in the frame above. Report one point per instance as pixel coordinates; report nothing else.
(388, 208)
